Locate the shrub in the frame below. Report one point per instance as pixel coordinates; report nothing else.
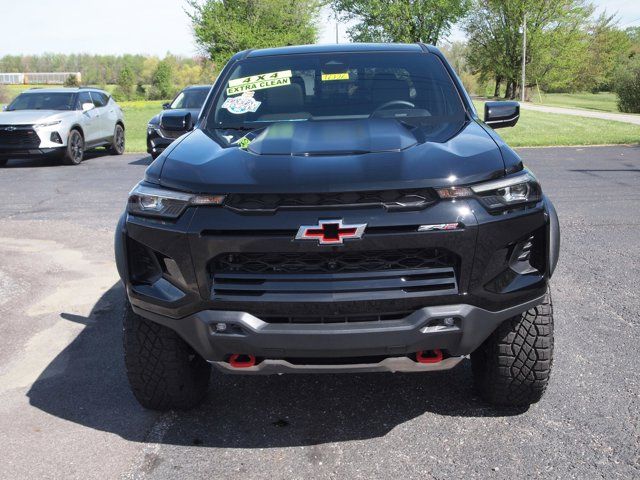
(141, 92)
(154, 94)
(627, 85)
(4, 95)
(71, 81)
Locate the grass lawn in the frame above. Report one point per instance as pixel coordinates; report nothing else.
(603, 101)
(136, 117)
(537, 129)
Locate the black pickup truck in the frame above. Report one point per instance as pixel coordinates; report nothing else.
(338, 209)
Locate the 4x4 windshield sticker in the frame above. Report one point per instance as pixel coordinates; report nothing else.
(328, 77)
(243, 104)
(259, 82)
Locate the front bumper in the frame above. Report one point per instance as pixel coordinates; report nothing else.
(185, 295)
(423, 330)
(31, 152)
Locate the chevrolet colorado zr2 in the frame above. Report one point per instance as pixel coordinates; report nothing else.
(337, 209)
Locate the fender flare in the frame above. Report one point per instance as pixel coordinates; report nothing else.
(119, 246)
(553, 236)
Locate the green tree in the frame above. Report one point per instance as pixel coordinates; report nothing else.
(125, 84)
(224, 27)
(162, 80)
(627, 85)
(633, 33)
(608, 46)
(400, 20)
(456, 53)
(555, 39)
(96, 69)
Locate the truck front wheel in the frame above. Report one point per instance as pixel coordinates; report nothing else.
(163, 370)
(512, 367)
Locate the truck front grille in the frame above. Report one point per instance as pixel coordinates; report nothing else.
(333, 276)
(332, 262)
(408, 199)
(19, 136)
(300, 319)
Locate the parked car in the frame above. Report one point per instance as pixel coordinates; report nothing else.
(189, 100)
(338, 208)
(61, 123)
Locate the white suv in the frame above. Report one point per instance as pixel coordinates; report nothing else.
(60, 122)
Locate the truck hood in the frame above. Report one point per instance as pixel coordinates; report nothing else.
(30, 117)
(329, 157)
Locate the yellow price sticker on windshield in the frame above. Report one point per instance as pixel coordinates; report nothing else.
(328, 77)
(259, 82)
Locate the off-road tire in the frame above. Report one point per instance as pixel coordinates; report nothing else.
(74, 153)
(164, 371)
(118, 145)
(512, 367)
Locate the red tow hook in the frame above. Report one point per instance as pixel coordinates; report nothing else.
(429, 356)
(240, 360)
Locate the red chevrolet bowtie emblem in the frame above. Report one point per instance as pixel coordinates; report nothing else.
(330, 232)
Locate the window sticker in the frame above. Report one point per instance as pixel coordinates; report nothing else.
(259, 82)
(328, 77)
(243, 104)
(243, 143)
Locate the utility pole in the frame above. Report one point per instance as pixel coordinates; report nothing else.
(337, 39)
(524, 55)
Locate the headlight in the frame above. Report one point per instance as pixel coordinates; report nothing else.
(499, 194)
(168, 204)
(47, 124)
(152, 126)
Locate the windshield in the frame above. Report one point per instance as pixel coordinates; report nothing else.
(192, 99)
(43, 101)
(412, 88)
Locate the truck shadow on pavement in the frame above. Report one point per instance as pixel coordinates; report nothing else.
(145, 161)
(86, 384)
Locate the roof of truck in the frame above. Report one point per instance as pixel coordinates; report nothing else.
(337, 48)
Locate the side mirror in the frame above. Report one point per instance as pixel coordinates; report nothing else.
(501, 114)
(166, 106)
(176, 121)
(88, 106)
(4, 108)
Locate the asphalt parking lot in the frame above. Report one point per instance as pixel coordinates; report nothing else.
(66, 410)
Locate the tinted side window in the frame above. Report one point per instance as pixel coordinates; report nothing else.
(83, 97)
(99, 99)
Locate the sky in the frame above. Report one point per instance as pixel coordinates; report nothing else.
(147, 26)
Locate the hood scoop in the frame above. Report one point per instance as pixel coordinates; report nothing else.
(341, 137)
